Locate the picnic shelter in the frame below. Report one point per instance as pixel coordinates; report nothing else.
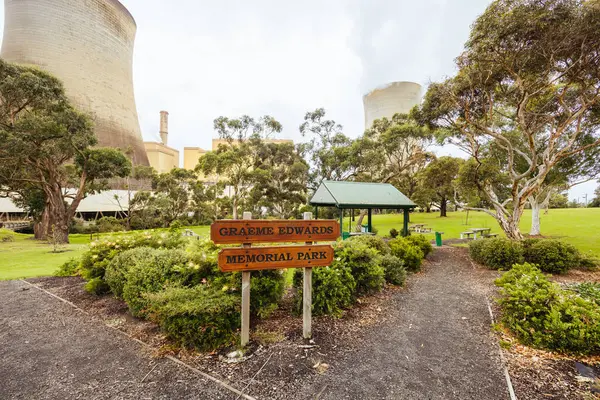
(361, 195)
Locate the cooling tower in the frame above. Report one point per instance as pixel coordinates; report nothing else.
(88, 44)
(385, 101)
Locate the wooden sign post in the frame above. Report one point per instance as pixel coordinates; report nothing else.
(245, 336)
(248, 258)
(307, 294)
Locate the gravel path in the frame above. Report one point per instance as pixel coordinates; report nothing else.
(437, 346)
(49, 351)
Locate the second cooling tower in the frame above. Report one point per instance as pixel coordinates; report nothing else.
(88, 44)
(385, 101)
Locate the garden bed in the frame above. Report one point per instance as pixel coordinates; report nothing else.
(540, 374)
(277, 349)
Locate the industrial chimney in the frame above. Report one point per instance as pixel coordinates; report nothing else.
(88, 45)
(393, 98)
(164, 127)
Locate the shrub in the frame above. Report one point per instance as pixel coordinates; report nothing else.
(411, 255)
(373, 242)
(117, 270)
(363, 263)
(97, 286)
(201, 316)
(552, 256)
(477, 250)
(110, 224)
(589, 291)
(150, 275)
(394, 233)
(69, 268)
(497, 253)
(539, 313)
(96, 259)
(394, 269)
(587, 261)
(266, 289)
(332, 291)
(421, 242)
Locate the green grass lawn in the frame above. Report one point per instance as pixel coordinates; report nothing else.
(580, 226)
(26, 258)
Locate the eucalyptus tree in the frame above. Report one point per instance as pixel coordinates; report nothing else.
(47, 151)
(528, 83)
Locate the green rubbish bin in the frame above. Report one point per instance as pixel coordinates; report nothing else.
(438, 239)
(345, 235)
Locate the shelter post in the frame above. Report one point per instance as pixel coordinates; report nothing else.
(370, 220)
(406, 218)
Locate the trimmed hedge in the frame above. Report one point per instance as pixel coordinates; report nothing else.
(152, 274)
(422, 243)
(201, 316)
(550, 255)
(395, 273)
(96, 259)
(540, 314)
(117, 270)
(332, 291)
(363, 263)
(411, 255)
(374, 242)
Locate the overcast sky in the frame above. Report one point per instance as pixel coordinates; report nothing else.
(201, 59)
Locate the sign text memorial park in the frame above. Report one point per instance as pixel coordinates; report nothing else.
(248, 258)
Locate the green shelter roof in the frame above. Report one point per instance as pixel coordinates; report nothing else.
(343, 194)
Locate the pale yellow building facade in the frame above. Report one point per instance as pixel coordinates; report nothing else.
(162, 158)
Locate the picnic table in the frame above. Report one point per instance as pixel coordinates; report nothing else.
(480, 231)
(420, 228)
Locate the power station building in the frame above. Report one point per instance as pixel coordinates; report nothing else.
(88, 44)
(162, 157)
(387, 100)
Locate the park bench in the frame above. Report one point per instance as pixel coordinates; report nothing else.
(425, 230)
(487, 235)
(468, 234)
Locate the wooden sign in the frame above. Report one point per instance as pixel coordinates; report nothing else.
(269, 231)
(257, 258)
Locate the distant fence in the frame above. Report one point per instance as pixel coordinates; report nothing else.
(14, 225)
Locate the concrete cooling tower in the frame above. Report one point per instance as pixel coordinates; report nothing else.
(88, 44)
(385, 101)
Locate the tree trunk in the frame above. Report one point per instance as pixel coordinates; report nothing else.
(535, 218)
(235, 210)
(42, 227)
(358, 226)
(60, 216)
(510, 225)
(443, 208)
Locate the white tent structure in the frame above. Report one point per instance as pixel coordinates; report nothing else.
(108, 203)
